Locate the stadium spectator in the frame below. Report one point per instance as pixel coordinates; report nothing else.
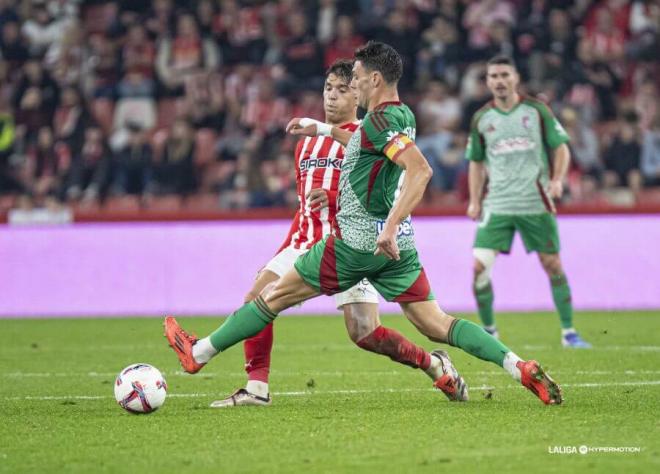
(9, 181)
(136, 104)
(70, 120)
(184, 56)
(646, 103)
(301, 65)
(43, 168)
(373, 14)
(644, 28)
(205, 12)
(326, 21)
(590, 86)
(13, 47)
(174, 169)
(42, 29)
(105, 70)
(205, 105)
(345, 41)
(6, 83)
(396, 32)
(66, 59)
(440, 52)
(131, 166)
(650, 161)
(622, 156)
(556, 51)
(35, 99)
(68, 65)
(439, 115)
(138, 53)
(584, 143)
(89, 170)
(160, 19)
(478, 19)
(264, 113)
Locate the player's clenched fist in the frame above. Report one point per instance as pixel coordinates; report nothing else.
(556, 189)
(474, 211)
(308, 127)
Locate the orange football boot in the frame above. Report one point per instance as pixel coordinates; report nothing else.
(182, 343)
(534, 378)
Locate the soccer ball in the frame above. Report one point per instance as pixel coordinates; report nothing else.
(140, 388)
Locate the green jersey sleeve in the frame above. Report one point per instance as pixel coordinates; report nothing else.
(389, 132)
(475, 150)
(554, 133)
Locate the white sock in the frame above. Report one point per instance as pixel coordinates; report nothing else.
(565, 332)
(435, 369)
(203, 351)
(491, 328)
(509, 364)
(258, 388)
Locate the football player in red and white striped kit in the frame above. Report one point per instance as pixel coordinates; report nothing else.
(318, 164)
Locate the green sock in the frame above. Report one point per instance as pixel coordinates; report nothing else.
(561, 294)
(477, 342)
(484, 297)
(245, 322)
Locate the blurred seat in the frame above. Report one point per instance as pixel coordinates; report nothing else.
(126, 203)
(649, 196)
(164, 203)
(7, 202)
(203, 202)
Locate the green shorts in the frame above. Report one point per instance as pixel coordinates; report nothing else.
(538, 231)
(331, 267)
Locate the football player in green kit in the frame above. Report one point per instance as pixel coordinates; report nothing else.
(513, 141)
(383, 178)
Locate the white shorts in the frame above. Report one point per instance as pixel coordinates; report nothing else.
(363, 292)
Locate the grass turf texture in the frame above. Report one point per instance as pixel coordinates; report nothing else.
(336, 408)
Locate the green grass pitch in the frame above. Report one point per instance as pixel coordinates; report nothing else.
(336, 408)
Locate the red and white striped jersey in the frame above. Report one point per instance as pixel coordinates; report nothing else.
(318, 164)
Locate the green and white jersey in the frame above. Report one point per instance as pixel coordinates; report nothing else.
(515, 146)
(370, 180)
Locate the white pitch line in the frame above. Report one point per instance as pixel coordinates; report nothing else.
(596, 348)
(342, 392)
(312, 373)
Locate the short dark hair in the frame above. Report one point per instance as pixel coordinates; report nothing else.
(383, 58)
(501, 60)
(342, 68)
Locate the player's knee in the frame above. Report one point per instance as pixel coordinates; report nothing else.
(484, 259)
(361, 320)
(551, 264)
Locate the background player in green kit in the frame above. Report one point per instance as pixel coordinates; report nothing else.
(511, 138)
(383, 178)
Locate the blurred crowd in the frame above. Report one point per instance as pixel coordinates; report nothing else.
(183, 103)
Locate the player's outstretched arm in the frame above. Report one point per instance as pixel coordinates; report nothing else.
(418, 174)
(312, 128)
(476, 179)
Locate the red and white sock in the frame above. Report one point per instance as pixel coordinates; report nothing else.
(393, 344)
(257, 361)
